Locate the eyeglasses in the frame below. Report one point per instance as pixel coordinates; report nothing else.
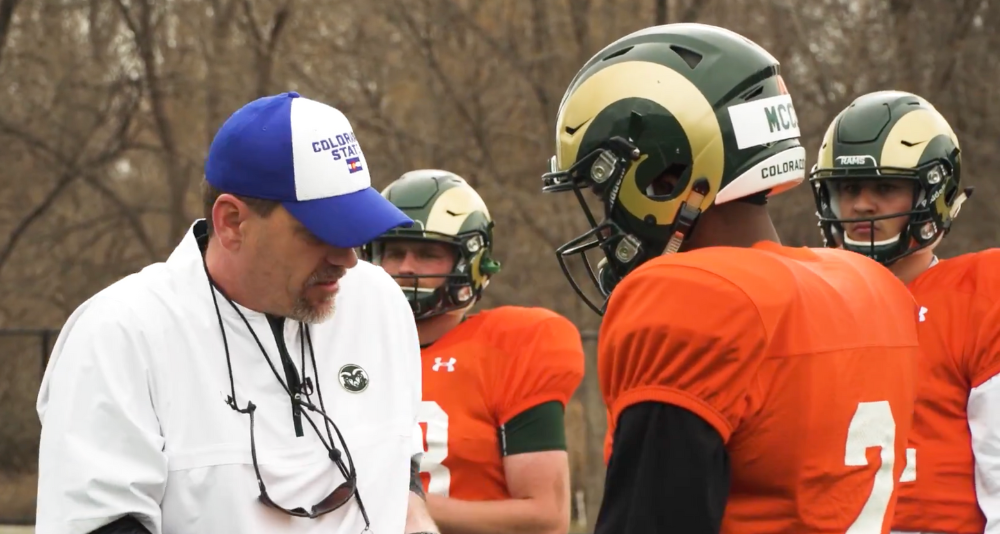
(340, 496)
(343, 493)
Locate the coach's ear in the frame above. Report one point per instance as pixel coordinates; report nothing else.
(229, 214)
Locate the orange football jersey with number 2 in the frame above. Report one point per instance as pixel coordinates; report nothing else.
(802, 359)
(488, 369)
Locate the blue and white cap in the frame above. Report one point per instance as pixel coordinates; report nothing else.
(303, 154)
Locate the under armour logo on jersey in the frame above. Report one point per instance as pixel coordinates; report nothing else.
(923, 312)
(450, 364)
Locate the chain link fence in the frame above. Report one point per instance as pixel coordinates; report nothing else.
(23, 356)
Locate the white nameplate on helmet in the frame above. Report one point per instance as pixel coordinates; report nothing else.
(780, 172)
(764, 121)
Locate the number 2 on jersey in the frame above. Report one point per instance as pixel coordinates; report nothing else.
(436, 421)
(873, 426)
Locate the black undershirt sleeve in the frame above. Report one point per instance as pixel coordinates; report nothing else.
(668, 472)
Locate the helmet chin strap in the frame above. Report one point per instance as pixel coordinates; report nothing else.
(629, 246)
(956, 206)
(686, 217)
(605, 281)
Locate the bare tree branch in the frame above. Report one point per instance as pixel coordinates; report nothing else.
(694, 10)
(264, 48)
(7, 8)
(662, 8)
(141, 26)
(425, 47)
(74, 167)
(19, 230)
(579, 14)
(216, 51)
(821, 81)
(958, 36)
(536, 78)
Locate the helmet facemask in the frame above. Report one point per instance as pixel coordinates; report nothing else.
(459, 288)
(617, 243)
(929, 216)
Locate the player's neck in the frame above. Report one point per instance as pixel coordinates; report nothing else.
(912, 266)
(433, 329)
(735, 224)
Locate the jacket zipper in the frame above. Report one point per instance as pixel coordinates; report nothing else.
(291, 376)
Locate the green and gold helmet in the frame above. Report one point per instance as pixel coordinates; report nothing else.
(890, 135)
(663, 124)
(444, 209)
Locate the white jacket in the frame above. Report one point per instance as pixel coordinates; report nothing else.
(134, 419)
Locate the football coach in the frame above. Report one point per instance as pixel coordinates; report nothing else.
(260, 380)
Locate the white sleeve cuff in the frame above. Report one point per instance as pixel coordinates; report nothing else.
(984, 424)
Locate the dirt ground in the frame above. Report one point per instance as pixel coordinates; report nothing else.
(17, 501)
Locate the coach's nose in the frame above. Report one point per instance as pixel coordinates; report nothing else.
(342, 257)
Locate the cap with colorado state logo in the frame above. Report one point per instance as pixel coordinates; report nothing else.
(304, 154)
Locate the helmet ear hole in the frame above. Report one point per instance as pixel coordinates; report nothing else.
(664, 186)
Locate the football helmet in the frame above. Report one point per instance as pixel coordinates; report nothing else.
(890, 135)
(444, 209)
(698, 105)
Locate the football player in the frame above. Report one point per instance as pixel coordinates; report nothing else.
(495, 383)
(888, 184)
(752, 387)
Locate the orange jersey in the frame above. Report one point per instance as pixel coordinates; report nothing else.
(491, 367)
(803, 360)
(960, 342)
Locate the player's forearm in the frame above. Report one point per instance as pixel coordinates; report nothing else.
(511, 516)
(418, 519)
